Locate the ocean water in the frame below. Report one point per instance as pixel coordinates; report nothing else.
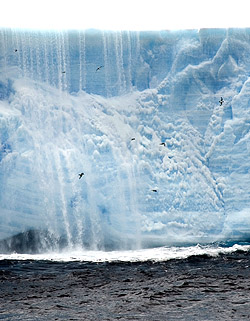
(196, 284)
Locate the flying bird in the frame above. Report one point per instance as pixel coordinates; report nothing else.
(154, 190)
(99, 68)
(15, 50)
(133, 138)
(221, 101)
(162, 144)
(81, 175)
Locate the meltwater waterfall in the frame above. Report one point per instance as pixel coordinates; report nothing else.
(68, 60)
(164, 162)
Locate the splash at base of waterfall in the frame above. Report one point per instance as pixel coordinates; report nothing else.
(154, 254)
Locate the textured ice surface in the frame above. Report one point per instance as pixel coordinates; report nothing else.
(59, 116)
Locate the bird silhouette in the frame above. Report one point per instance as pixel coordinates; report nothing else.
(81, 175)
(154, 190)
(162, 144)
(99, 68)
(221, 101)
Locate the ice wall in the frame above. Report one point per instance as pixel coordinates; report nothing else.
(164, 162)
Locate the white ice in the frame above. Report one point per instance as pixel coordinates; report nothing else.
(59, 117)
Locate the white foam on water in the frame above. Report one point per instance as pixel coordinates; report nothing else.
(155, 254)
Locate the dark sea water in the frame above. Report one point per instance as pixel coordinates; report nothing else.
(199, 287)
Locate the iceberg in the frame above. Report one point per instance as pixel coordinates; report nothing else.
(164, 162)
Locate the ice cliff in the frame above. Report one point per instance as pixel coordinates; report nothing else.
(164, 162)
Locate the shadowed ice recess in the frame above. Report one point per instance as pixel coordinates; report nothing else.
(164, 162)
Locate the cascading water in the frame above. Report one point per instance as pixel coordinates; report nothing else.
(163, 162)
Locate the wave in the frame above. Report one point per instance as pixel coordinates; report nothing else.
(159, 254)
